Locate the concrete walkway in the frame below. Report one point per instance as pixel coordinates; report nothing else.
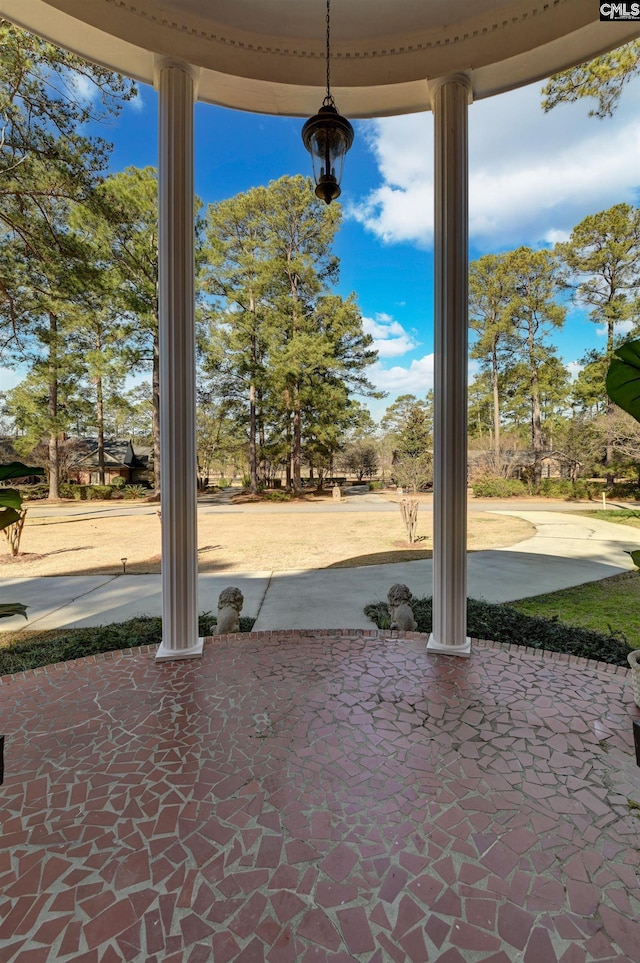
(566, 550)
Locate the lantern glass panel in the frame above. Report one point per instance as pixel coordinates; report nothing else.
(328, 150)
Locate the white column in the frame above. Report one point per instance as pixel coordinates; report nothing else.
(175, 83)
(449, 100)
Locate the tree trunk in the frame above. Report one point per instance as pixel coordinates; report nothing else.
(297, 446)
(409, 511)
(536, 430)
(496, 408)
(54, 451)
(100, 420)
(536, 419)
(262, 463)
(253, 464)
(13, 533)
(155, 382)
(288, 464)
(609, 415)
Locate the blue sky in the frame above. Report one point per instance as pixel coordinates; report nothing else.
(533, 176)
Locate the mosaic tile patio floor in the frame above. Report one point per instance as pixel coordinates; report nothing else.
(310, 797)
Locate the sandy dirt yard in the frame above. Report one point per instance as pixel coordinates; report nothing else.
(245, 542)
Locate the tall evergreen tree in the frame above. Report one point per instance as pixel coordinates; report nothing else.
(47, 165)
(292, 352)
(534, 284)
(125, 232)
(602, 79)
(490, 317)
(47, 96)
(236, 273)
(408, 423)
(603, 258)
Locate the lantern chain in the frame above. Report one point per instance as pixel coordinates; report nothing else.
(328, 100)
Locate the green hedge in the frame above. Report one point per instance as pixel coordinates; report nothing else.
(627, 490)
(63, 645)
(85, 492)
(502, 623)
(32, 493)
(495, 486)
(565, 488)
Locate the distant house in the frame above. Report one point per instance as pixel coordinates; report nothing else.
(518, 464)
(135, 465)
(8, 452)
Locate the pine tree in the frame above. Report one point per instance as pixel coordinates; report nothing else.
(490, 318)
(533, 282)
(603, 259)
(286, 350)
(602, 78)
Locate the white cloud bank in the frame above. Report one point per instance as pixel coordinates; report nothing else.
(620, 328)
(417, 379)
(533, 176)
(389, 337)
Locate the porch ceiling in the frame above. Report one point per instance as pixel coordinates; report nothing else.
(268, 55)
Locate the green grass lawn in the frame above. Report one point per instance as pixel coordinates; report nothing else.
(611, 605)
(623, 516)
(599, 620)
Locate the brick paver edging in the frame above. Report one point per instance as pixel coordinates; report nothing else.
(521, 651)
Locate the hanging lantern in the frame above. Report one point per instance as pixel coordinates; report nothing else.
(327, 136)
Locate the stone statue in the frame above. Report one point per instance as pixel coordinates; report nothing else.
(398, 602)
(229, 607)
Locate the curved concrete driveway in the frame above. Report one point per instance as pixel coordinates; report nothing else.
(566, 550)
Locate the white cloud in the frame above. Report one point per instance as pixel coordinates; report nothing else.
(619, 328)
(533, 176)
(417, 379)
(389, 337)
(557, 237)
(83, 87)
(137, 103)
(574, 368)
(10, 377)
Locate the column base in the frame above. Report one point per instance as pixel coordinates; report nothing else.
(439, 648)
(165, 654)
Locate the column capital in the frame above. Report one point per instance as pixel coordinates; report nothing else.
(161, 63)
(462, 79)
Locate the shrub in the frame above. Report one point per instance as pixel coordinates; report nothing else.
(96, 492)
(503, 623)
(118, 481)
(62, 645)
(375, 486)
(134, 491)
(67, 490)
(32, 493)
(555, 487)
(495, 486)
(585, 489)
(565, 488)
(627, 490)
